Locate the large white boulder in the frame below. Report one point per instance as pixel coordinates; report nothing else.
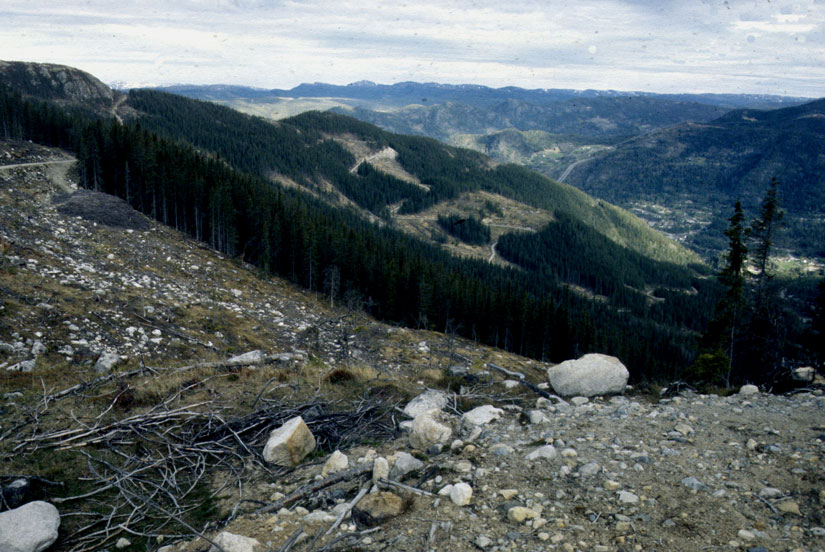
(290, 443)
(29, 528)
(428, 430)
(432, 399)
(591, 375)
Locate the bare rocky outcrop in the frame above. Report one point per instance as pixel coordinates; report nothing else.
(57, 82)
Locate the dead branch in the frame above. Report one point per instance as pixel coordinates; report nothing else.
(314, 487)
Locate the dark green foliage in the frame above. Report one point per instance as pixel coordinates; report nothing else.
(215, 192)
(467, 229)
(713, 165)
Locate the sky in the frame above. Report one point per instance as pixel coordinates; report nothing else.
(733, 46)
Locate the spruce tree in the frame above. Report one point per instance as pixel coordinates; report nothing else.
(720, 339)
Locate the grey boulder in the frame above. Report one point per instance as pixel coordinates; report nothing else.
(591, 375)
(29, 528)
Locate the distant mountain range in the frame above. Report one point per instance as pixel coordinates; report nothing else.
(406, 93)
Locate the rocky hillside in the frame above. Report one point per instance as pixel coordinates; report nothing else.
(141, 374)
(58, 82)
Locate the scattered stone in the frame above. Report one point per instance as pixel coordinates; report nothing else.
(521, 513)
(748, 390)
(590, 469)
(29, 528)
(337, 461)
(461, 493)
(122, 543)
(482, 541)
(694, 484)
(289, 444)
(25, 366)
(591, 375)
(684, 429)
(377, 508)
(427, 430)
(106, 361)
(246, 359)
(431, 399)
(611, 485)
(404, 464)
(235, 543)
(508, 494)
(482, 415)
(380, 469)
(579, 401)
(789, 507)
(547, 452)
(16, 493)
(770, 492)
(626, 497)
(746, 535)
(537, 417)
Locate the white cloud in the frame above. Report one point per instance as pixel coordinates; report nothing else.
(659, 45)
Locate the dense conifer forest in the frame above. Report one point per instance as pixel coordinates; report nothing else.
(195, 167)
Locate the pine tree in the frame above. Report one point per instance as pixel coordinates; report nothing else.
(720, 339)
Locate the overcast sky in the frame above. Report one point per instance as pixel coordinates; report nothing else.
(747, 46)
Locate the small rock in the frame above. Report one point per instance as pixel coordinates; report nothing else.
(246, 359)
(16, 493)
(29, 528)
(106, 361)
(482, 415)
(547, 452)
(626, 497)
(427, 430)
(337, 461)
(122, 543)
(770, 492)
(748, 390)
(818, 531)
(25, 366)
(520, 513)
(231, 542)
(508, 494)
(751, 444)
(380, 469)
(590, 469)
(482, 541)
(537, 417)
(461, 493)
(745, 535)
(579, 401)
(290, 443)
(376, 508)
(693, 483)
(611, 485)
(404, 464)
(429, 400)
(789, 507)
(684, 429)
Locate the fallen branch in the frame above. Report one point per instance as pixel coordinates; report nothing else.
(415, 490)
(531, 386)
(314, 487)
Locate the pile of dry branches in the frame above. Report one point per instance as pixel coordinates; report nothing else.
(150, 475)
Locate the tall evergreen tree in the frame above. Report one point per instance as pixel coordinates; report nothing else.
(720, 339)
(765, 341)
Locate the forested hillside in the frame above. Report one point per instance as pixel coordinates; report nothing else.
(172, 164)
(710, 166)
